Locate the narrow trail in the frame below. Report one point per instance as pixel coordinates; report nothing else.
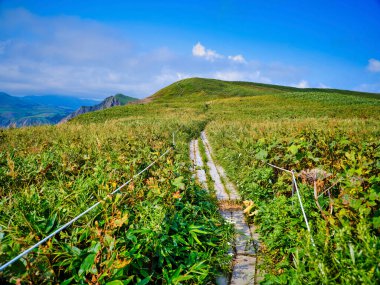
(195, 156)
(246, 240)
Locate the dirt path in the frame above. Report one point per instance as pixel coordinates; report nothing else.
(246, 240)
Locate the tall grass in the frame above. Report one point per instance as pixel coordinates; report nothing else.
(317, 135)
(164, 228)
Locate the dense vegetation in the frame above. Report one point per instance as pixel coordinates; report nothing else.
(332, 142)
(166, 229)
(162, 228)
(331, 160)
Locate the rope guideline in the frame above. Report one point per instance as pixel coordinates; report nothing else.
(5, 265)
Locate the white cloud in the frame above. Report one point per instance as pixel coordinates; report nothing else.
(302, 84)
(84, 58)
(200, 51)
(373, 65)
(234, 75)
(237, 58)
(73, 56)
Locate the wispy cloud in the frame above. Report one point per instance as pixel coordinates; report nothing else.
(302, 84)
(74, 56)
(373, 65)
(234, 75)
(200, 51)
(237, 58)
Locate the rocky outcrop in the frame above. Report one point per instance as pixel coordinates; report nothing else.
(105, 104)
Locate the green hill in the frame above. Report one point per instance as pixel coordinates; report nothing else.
(123, 99)
(165, 228)
(236, 100)
(206, 89)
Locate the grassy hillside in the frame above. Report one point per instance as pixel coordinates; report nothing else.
(196, 89)
(123, 99)
(164, 228)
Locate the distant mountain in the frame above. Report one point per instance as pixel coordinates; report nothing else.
(37, 110)
(116, 100)
(17, 112)
(8, 100)
(60, 101)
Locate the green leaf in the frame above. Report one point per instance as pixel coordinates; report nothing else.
(87, 263)
(95, 247)
(67, 281)
(144, 281)
(115, 282)
(183, 278)
(262, 154)
(50, 223)
(195, 238)
(129, 280)
(376, 222)
(293, 149)
(351, 156)
(197, 229)
(178, 183)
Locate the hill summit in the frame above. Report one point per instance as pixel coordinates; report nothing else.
(204, 89)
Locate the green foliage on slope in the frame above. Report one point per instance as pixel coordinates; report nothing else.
(123, 99)
(201, 89)
(50, 174)
(304, 131)
(163, 229)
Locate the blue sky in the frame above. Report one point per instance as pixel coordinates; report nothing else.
(97, 48)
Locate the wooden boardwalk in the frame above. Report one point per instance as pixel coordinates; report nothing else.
(244, 248)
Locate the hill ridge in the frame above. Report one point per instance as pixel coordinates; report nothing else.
(213, 87)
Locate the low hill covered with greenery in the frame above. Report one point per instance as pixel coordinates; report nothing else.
(164, 228)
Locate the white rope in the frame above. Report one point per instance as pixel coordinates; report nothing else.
(301, 204)
(283, 169)
(2, 267)
(299, 197)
